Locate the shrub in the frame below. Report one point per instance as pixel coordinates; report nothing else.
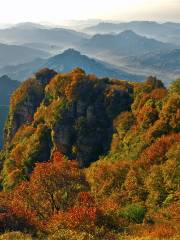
(65, 234)
(15, 236)
(134, 213)
(162, 231)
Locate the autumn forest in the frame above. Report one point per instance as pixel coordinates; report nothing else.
(91, 158)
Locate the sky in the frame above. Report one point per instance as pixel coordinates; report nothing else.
(55, 11)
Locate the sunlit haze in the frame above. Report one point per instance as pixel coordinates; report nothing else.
(55, 11)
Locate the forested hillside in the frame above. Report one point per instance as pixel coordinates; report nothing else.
(88, 158)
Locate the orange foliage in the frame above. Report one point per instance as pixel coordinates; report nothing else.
(108, 205)
(159, 93)
(155, 153)
(106, 176)
(79, 218)
(11, 217)
(147, 115)
(85, 199)
(161, 231)
(29, 87)
(53, 186)
(20, 207)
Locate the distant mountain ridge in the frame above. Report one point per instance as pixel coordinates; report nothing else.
(30, 25)
(125, 43)
(14, 54)
(167, 32)
(28, 33)
(65, 62)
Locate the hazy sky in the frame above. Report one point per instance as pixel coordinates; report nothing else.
(13, 11)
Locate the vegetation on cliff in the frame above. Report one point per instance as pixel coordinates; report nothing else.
(87, 158)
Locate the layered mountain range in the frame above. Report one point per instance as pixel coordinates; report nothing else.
(166, 32)
(124, 47)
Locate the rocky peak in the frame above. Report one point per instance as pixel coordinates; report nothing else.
(76, 109)
(45, 75)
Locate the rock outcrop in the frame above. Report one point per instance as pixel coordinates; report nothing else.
(71, 112)
(25, 101)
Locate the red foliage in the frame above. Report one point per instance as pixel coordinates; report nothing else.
(85, 199)
(57, 157)
(54, 186)
(79, 218)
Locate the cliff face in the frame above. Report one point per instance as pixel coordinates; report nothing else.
(85, 130)
(24, 102)
(75, 110)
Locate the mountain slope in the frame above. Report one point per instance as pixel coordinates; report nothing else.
(163, 61)
(13, 54)
(164, 64)
(66, 61)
